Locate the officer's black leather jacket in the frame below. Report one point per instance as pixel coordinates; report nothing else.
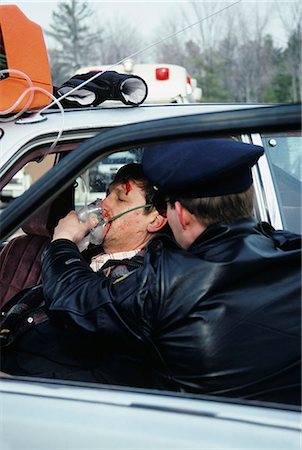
(221, 319)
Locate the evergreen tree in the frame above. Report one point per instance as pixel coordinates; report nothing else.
(75, 43)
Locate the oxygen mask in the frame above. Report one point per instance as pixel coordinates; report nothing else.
(97, 234)
(94, 211)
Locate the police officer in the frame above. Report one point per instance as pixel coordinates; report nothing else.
(219, 316)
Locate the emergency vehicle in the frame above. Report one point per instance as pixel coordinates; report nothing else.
(167, 83)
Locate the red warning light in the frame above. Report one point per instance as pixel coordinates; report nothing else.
(162, 73)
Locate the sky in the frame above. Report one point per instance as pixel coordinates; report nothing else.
(141, 12)
(146, 15)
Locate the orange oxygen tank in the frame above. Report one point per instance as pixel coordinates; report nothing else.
(22, 48)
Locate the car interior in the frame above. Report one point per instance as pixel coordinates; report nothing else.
(20, 259)
(20, 256)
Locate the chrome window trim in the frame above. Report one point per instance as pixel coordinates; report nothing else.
(267, 203)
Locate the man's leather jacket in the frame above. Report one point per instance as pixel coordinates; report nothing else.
(221, 319)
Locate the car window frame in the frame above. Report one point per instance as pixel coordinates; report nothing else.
(216, 124)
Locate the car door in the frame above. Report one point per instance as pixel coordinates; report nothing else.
(123, 417)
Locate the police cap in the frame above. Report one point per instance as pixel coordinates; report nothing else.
(201, 167)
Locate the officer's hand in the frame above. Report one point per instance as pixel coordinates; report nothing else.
(72, 229)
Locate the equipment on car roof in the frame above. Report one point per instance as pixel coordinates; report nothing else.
(24, 66)
(96, 87)
(25, 76)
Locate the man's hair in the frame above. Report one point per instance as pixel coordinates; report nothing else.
(134, 172)
(223, 209)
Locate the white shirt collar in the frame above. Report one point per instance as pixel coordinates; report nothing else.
(99, 260)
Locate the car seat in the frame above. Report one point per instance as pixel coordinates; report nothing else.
(20, 258)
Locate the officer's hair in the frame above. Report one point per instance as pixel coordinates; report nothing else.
(134, 172)
(223, 209)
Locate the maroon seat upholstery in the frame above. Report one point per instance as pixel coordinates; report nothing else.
(20, 259)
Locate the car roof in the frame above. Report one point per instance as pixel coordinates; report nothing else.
(88, 121)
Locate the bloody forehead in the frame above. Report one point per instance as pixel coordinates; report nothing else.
(126, 186)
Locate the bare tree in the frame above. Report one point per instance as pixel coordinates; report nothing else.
(196, 45)
(290, 15)
(254, 55)
(210, 24)
(216, 38)
(172, 49)
(291, 19)
(120, 40)
(231, 52)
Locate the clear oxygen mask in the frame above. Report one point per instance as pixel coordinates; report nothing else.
(96, 235)
(93, 211)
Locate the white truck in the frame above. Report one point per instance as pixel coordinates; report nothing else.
(167, 83)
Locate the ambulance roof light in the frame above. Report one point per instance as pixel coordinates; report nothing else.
(162, 73)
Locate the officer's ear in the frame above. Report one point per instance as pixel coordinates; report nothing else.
(157, 223)
(184, 216)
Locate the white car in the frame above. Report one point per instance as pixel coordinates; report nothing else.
(56, 414)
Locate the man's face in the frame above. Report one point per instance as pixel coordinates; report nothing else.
(129, 231)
